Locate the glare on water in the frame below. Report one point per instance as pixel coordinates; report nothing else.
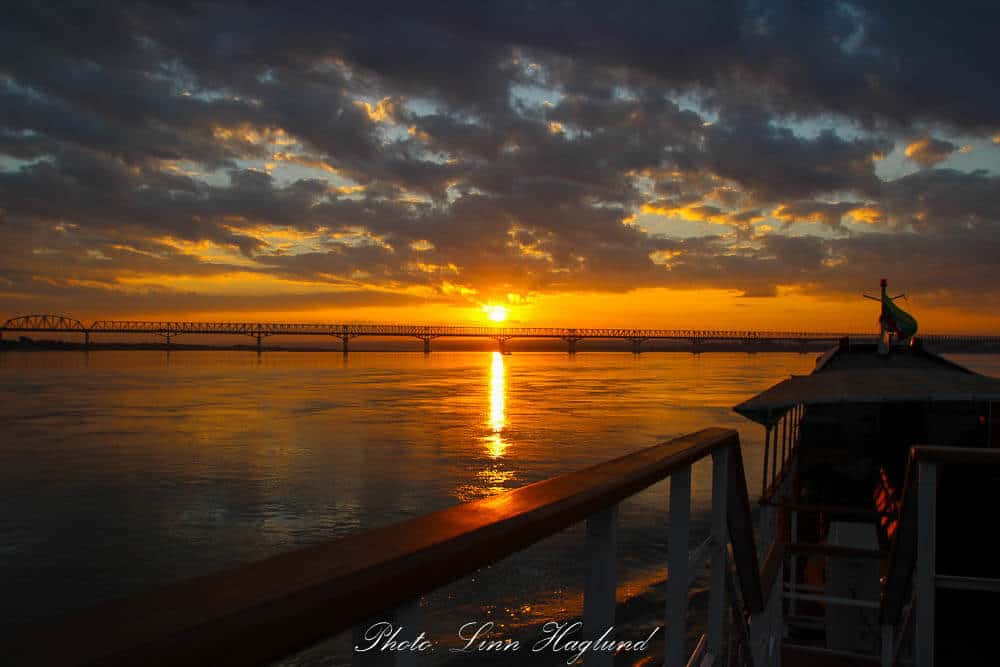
(498, 399)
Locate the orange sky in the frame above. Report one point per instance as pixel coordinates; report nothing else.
(643, 308)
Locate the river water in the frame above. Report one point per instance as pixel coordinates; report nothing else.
(121, 471)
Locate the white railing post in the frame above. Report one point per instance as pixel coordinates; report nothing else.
(677, 568)
(599, 594)
(717, 594)
(924, 583)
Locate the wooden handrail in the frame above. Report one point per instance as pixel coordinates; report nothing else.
(259, 612)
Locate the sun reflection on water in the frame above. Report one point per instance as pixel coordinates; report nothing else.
(498, 407)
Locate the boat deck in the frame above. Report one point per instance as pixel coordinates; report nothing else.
(853, 569)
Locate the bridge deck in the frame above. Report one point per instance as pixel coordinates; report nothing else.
(58, 323)
(54, 323)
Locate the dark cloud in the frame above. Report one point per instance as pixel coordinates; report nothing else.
(775, 164)
(878, 62)
(945, 201)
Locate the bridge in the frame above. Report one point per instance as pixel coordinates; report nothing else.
(426, 333)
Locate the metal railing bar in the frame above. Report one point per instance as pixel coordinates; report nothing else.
(698, 559)
(698, 654)
(830, 509)
(833, 550)
(805, 587)
(968, 583)
(744, 547)
(955, 455)
(803, 651)
(767, 453)
(832, 599)
(777, 480)
(903, 629)
(739, 627)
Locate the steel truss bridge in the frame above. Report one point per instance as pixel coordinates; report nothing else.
(345, 332)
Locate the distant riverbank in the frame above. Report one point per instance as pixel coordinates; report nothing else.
(375, 344)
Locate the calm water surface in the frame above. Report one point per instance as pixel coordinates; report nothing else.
(121, 471)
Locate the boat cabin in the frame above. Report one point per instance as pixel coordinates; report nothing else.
(838, 467)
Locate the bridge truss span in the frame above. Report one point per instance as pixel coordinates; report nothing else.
(43, 323)
(441, 331)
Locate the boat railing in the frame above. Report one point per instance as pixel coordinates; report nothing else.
(908, 596)
(798, 552)
(782, 435)
(263, 611)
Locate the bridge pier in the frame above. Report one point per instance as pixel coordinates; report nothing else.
(502, 345)
(572, 341)
(695, 346)
(637, 345)
(427, 343)
(259, 337)
(343, 343)
(86, 340)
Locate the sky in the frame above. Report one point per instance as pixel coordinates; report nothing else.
(730, 164)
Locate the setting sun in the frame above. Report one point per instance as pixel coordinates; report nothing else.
(495, 313)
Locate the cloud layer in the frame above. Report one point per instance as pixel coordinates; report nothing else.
(226, 156)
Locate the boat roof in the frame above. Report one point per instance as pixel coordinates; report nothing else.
(856, 374)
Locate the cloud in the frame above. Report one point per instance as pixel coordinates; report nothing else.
(929, 151)
(773, 163)
(827, 213)
(457, 152)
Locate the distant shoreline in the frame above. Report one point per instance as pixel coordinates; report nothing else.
(452, 346)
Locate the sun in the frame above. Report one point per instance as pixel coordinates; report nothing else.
(495, 313)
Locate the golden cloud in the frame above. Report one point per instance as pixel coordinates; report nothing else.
(867, 214)
(383, 110)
